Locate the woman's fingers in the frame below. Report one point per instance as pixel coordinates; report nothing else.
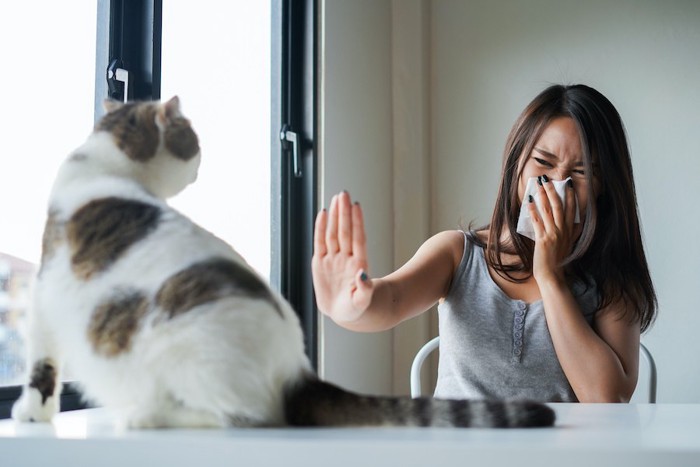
(345, 228)
(320, 233)
(554, 213)
(332, 244)
(534, 216)
(359, 240)
(544, 204)
(554, 202)
(341, 228)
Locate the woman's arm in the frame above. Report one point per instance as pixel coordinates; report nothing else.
(343, 289)
(601, 363)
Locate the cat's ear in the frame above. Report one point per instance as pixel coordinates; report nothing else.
(172, 107)
(168, 110)
(111, 105)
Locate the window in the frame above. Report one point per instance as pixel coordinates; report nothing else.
(242, 70)
(216, 57)
(50, 107)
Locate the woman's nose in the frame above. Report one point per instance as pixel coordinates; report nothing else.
(559, 174)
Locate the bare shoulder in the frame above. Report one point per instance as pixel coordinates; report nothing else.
(448, 244)
(427, 276)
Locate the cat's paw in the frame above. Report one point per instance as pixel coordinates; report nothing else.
(31, 407)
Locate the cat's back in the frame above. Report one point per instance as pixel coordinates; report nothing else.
(108, 224)
(110, 242)
(110, 234)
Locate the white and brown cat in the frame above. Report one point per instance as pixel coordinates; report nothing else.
(166, 323)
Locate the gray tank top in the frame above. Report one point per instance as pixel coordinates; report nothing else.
(492, 346)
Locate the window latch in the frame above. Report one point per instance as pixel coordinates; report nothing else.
(117, 74)
(290, 137)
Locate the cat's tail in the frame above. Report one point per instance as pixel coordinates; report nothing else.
(312, 402)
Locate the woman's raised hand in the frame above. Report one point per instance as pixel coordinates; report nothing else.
(339, 265)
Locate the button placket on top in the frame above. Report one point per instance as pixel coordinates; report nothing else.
(518, 331)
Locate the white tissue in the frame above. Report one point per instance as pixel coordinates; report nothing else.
(524, 221)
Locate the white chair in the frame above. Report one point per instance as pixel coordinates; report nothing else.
(435, 343)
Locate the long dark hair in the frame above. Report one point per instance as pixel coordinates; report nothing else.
(609, 251)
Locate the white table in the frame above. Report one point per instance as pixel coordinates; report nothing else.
(591, 435)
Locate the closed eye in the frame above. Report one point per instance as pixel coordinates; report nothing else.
(543, 162)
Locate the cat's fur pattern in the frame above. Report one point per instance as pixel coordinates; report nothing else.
(166, 323)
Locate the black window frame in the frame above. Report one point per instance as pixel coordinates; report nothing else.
(129, 36)
(294, 205)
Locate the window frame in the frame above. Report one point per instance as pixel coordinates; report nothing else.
(131, 32)
(294, 198)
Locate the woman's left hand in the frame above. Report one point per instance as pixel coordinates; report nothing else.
(554, 231)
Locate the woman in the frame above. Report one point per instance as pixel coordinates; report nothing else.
(554, 319)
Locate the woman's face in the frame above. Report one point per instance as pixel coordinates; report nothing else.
(558, 155)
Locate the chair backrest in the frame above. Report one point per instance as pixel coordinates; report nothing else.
(417, 365)
(434, 343)
(651, 365)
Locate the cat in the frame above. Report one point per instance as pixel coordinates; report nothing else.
(168, 325)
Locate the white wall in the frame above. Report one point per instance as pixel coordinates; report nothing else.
(355, 149)
(375, 122)
(485, 61)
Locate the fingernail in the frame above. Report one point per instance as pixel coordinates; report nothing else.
(530, 198)
(545, 179)
(539, 181)
(570, 183)
(363, 276)
(357, 203)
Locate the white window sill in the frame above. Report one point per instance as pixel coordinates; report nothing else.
(585, 435)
